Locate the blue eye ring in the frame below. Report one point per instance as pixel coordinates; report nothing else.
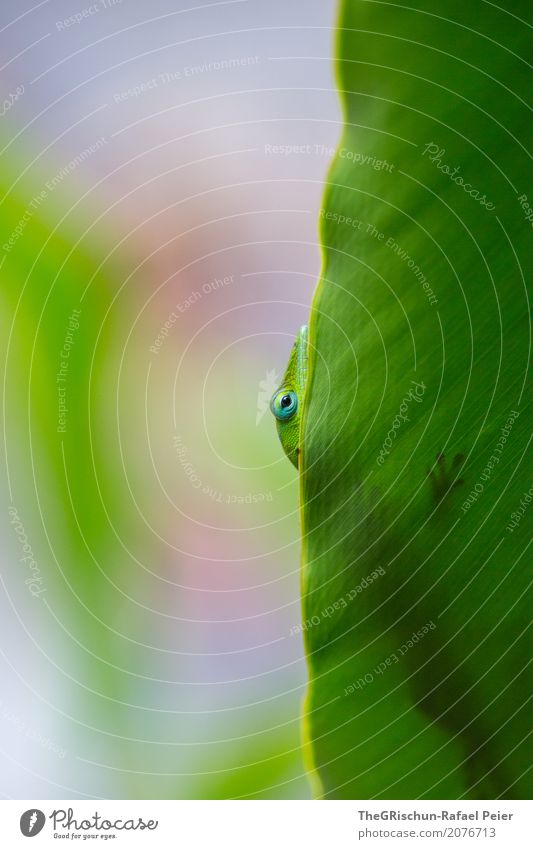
(284, 404)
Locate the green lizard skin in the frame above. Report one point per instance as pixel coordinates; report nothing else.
(287, 400)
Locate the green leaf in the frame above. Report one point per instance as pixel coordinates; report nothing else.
(415, 489)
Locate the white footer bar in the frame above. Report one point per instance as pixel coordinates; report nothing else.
(267, 824)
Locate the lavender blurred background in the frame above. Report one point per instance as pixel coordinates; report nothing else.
(188, 146)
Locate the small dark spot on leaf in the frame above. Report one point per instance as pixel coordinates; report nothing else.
(442, 477)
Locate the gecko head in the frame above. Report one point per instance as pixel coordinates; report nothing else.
(286, 401)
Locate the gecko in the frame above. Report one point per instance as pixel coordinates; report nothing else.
(287, 400)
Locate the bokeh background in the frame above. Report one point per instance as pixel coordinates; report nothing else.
(161, 176)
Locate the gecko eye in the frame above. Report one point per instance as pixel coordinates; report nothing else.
(284, 404)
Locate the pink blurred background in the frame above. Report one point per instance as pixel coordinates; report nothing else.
(206, 134)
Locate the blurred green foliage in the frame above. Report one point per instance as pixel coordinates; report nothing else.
(63, 474)
(59, 470)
